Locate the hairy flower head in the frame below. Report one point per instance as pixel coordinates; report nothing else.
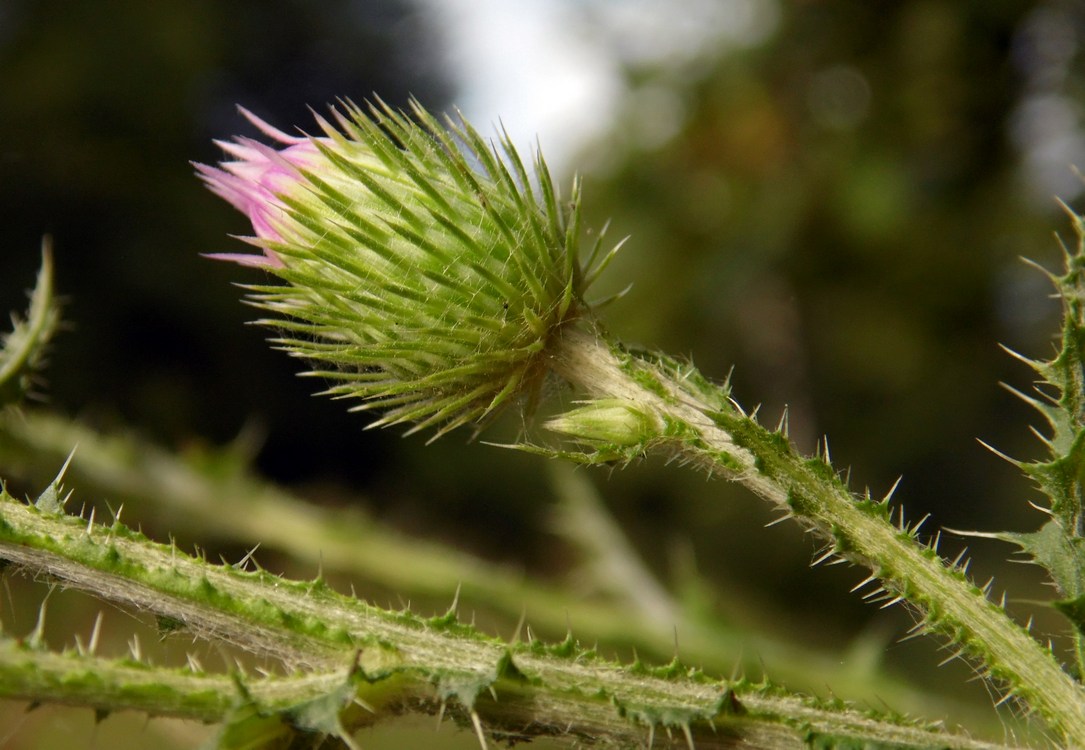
(425, 270)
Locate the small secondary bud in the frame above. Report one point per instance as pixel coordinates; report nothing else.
(607, 421)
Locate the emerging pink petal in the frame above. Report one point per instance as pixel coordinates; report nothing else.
(254, 181)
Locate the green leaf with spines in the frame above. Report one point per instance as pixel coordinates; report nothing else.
(1074, 610)
(247, 728)
(1059, 545)
(323, 715)
(1060, 553)
(22, 350)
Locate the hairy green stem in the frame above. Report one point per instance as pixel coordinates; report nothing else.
(211, 493)
(400, 661)
(84, 680)
(703, 426)
(108, 685)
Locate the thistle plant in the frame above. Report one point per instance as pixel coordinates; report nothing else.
(441, 292)
(435, 278)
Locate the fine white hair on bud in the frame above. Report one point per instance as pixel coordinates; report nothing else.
(425, 269)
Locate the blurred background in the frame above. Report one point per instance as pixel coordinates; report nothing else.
(831, 198)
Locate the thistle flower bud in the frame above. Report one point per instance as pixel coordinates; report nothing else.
(614, 422)
(426, 270)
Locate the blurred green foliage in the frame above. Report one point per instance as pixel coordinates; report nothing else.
(838, 218)
(841, 220)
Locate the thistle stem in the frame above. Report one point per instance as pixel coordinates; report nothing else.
(400, 661)
(703, 425)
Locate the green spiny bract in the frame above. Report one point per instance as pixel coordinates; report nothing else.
(22, 350)
(427, 270)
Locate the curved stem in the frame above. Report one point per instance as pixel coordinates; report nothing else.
(703, 425)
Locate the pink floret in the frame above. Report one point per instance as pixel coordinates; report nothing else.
(253, 181)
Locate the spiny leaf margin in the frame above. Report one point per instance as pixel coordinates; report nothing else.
(23, 348)
(1059, 397)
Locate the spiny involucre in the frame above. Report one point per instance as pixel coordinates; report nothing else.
(427, 270)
